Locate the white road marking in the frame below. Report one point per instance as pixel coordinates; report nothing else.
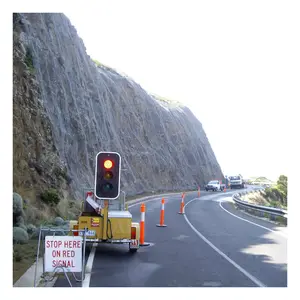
(88, 267)
(149, 200)
(89, 264)
(251, 277)
(245, 220)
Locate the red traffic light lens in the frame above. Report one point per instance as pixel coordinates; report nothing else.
(108, 164)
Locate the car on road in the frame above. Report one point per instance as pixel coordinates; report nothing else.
(236, 182)
(214, 185)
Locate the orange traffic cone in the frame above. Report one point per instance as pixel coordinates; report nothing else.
(162, 214)
(182, 204)
(142, 226)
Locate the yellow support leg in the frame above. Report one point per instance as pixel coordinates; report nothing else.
(105, 217)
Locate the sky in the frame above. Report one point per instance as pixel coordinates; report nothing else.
(227, 61)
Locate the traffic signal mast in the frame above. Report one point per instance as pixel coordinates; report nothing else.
(107, 175)
(108, 221)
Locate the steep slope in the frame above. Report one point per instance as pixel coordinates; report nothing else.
(90, 108)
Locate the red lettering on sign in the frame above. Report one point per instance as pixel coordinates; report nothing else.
(53, 244)
(72, 244)
(63, 263)
(56, 253)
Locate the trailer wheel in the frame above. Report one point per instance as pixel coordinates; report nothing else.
(133, 250)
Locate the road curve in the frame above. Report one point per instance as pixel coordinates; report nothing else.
(233, 253)
(256, 246)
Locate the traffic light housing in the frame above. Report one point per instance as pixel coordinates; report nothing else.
(107, 175)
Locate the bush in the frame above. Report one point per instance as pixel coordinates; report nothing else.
(23, 226)
(20, 235)
(17, 204)
(276, 193)
(31, 229)
(17, 256)
(58, 221)
(50, 197)
(29, 61)
(19, 221)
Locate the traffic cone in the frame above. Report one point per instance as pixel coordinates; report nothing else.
(224, 189)
(142, 226)
(162, 214)
(182, 204)
(198, 191)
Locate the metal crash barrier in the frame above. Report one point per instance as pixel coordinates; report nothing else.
(272, 211)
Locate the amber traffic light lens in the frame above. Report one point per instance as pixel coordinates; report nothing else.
(108, 164)
(108, 175)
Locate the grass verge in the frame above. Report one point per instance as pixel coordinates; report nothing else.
(261, 199)
(23, 258)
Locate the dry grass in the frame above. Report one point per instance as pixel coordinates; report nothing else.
(261, 199)
(24, 257)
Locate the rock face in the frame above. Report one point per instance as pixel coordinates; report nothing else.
(66, 110)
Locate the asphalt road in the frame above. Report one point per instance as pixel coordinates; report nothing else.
(212, 245)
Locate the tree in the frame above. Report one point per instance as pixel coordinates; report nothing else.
(282, 181)
(282, 186)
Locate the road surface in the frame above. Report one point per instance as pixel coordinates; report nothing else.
(212, 245)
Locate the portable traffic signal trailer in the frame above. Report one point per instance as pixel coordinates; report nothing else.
(104, 217)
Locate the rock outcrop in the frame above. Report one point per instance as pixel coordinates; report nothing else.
(67, 109)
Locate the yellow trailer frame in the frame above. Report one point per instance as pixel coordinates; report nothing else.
(109, 227)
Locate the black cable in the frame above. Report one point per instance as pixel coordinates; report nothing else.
(108, 221)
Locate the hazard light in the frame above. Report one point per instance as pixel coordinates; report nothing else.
(133, 233)
(75, 227)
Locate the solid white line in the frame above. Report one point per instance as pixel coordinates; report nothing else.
(149, 200)
(251, 277)
(245, 220)
(88, 267)
(89, 264)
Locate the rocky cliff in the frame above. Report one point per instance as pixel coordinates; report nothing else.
(66, 109)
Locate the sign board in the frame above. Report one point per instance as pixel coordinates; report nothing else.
(63, 251)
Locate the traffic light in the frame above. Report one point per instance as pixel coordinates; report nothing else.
(107, 175)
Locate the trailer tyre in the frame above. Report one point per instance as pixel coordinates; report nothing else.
(133, 250)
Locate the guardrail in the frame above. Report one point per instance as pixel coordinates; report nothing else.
(271, 211)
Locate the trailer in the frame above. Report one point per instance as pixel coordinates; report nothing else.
(106, 220)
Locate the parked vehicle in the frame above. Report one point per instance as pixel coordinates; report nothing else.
(214, 185)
